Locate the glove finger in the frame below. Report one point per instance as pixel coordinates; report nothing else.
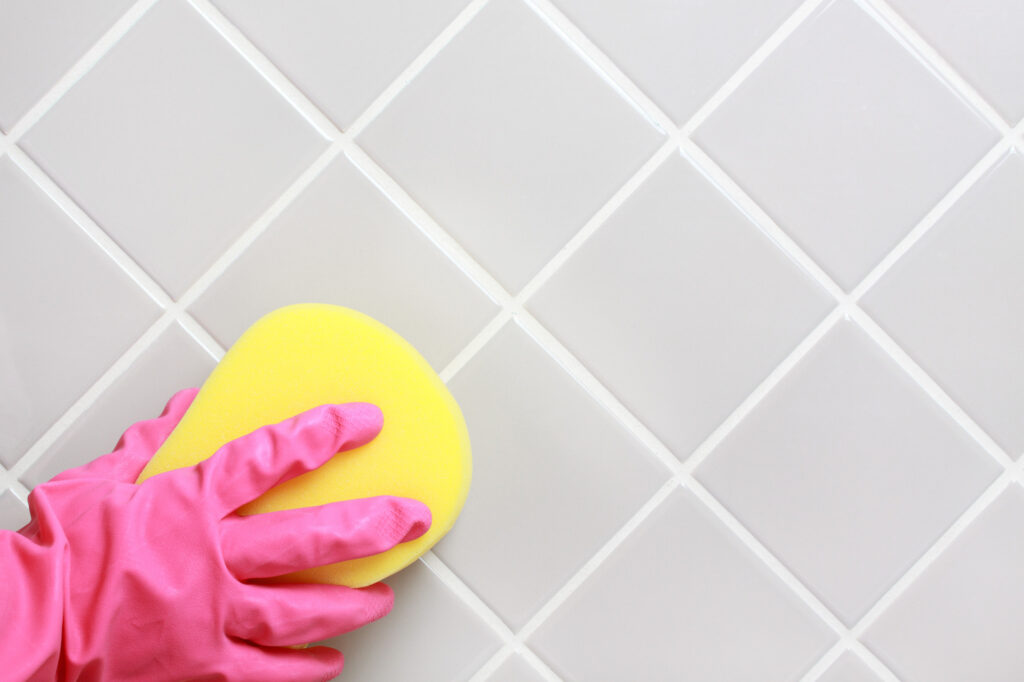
(249, 663)
(299, 613)
(247, 467)
(265, 545)
(137, 445)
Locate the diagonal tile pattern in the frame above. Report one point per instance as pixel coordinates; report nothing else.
(40, 41)
(194, 144)
(342, 242)
(680, 598)
(954, 302)
(848, 435)
(553, 477)
(516, 135)
(524, 165)
(342, 55)
(83, 312)
(982, 41)
(961, 619)
(832, 122)
(679, 305)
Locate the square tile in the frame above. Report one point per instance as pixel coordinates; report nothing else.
(510, 141)
(193, 144)
(429, 636)
(680, 305)
(172, 363)
(343, 242)
(40, 41)
(13, 514)
(342, 55)
(954, 301)
(981, 39)
(67, 312)
(845, 139)
(848, 435)
(681, 598)
(539, 437)
(849, 668)
(678, 51)
(515, 669)
(962, 619)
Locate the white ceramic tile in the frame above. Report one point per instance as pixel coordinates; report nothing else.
(981, 39)
(512, 171)
(172, 363)
(40, 41)
(962, 619)
(429, 636)
(845, 139)
(538, 437)
(681, 599)
(341, 54)
(192, 143)
(848, 435)
(678, 51)
(954, 302)
(515, 669)
(66, 312)
(13, 514)
(343, 242)
(848, 668)
(680, 305)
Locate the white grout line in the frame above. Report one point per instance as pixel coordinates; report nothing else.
(782, 33)
(479, 607)
(512, 307)
(667, 149)
(85, 222)
(10, 482)
(415, 67)
(81, 67)
(578, 578)
(897, 27)
(85, 401)
(601, 64)
(982, 167)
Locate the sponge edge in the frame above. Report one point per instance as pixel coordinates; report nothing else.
(305, 355)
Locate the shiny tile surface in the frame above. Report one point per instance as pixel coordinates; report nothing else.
(680, 305)
(341, 55)
(961, 618)
(678, 51)
(40, 41)
(441, 639)
(66, 312)
(825, 129)
(982, 40)
(538, 437)
(954, 302)
(848, 435)
(172, 363)
(705, 608)
(194, 144)
(518, 177)
(343, 242)
(626, 235)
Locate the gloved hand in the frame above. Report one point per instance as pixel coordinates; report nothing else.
(117, 581)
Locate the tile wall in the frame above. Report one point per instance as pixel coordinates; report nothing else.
(730, 292)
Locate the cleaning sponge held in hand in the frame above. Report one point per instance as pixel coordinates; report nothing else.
(301, 356)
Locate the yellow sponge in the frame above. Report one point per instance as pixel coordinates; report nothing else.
(301, 356)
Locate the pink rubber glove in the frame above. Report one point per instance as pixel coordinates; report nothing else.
(117, 581)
